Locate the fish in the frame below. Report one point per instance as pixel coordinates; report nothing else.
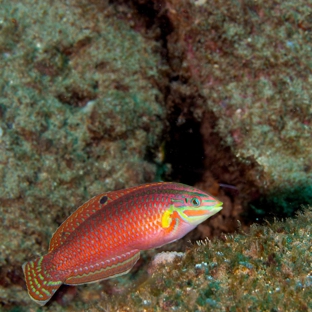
(103, 238)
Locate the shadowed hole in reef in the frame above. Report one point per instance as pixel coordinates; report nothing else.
(184, 148)
(280, 204)
(187, 143)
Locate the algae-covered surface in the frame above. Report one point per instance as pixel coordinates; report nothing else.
(79, 112)
(102, 95)
(248, 70)
(267, 269)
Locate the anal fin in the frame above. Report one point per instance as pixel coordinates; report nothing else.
(105, 269)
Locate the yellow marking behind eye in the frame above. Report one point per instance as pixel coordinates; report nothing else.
(166, 219)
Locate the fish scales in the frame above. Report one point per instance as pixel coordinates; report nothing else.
(103, 238)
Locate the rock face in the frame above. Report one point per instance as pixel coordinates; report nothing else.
(248, 72)
(88, 89)
(79, 110)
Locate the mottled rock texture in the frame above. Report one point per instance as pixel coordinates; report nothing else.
(88, 88)
(243, 69)
(268, 268)
(79, 109)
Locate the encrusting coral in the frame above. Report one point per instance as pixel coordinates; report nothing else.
(267, 269)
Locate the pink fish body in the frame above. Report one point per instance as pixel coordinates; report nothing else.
(103, 238)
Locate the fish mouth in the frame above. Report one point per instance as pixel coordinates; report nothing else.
(219, 204)
(217, 207)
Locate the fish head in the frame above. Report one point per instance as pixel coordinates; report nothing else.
(194, 206)
(188, 208)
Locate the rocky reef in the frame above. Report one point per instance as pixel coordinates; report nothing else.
(268, 268)
(243, 71)
(102, 95)
(80, 111)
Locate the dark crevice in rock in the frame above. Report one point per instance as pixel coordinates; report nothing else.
(196, 152)
(184, 148)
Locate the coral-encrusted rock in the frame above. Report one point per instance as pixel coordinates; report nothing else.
(79, 110)
(248, 64)
(270, 268)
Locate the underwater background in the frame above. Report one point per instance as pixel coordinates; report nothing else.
(103, 95)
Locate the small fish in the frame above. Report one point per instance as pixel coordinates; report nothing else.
(103, 238)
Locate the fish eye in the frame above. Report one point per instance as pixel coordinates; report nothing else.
(195, 202)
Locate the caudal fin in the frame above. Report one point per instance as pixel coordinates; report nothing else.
(40, 284)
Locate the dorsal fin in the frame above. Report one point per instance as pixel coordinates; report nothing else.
(84, 212)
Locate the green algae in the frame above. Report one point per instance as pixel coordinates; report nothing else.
(266, 269)
(66, 86)
(79, 110)
(248, 65)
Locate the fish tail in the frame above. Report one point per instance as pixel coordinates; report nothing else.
(41, 284)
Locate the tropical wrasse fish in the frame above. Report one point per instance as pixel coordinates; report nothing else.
(103, 238)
